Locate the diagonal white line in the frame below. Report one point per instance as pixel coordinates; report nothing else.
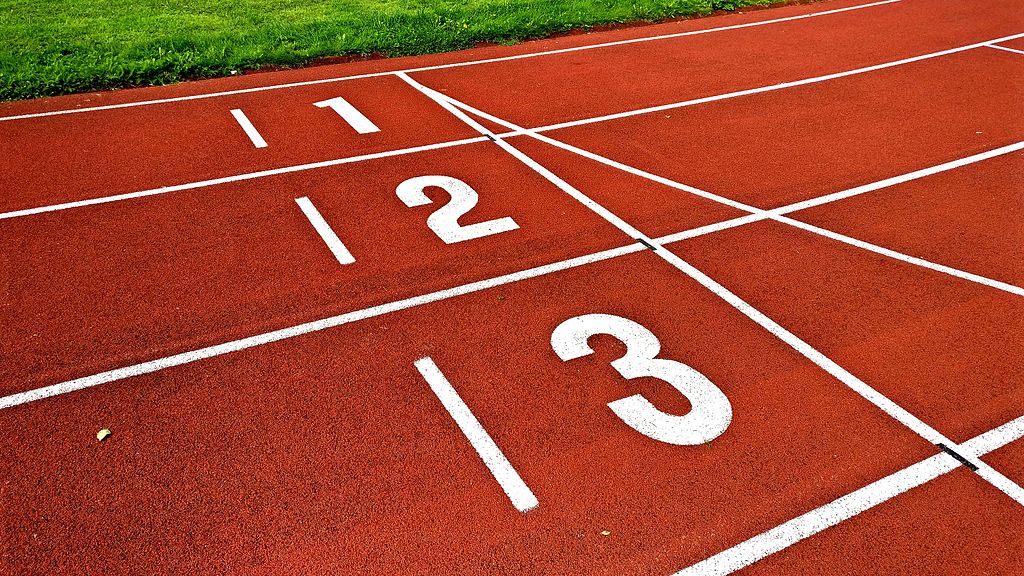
(440, 66)
(891, 408)
(806, 525)
(499, 466)
(777, 214)
(1004, 48)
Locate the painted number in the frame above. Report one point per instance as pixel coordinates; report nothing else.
(711, 411)
(445, 220)
(349, 114)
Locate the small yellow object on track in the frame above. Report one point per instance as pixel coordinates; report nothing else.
(103, 434)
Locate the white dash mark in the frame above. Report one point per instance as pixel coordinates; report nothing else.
(250, 130)
(517, 490)
(324, 229)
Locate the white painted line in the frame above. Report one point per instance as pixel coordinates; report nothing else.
(750, 551)
(314, 165)
(442, 66)
(306, 328)
(780, 86)
(249, 129)
(325, 231)
(777, 213)
(915, 175)
(891, 408)
(1014, 50)
(502, 470)
(236, 178)
(955, 272)
(350, 114)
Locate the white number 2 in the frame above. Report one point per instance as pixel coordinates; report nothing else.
(445, 220)
(711, 411)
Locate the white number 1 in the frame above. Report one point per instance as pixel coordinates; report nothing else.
(711, 411)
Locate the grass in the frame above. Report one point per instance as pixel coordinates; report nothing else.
(53, 47)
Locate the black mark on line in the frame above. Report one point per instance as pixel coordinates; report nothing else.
(491, 137)
(959, 457)
(646, 243)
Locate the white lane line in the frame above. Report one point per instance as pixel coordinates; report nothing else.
(789, 533)
(350, 114)
(941, 268)
(441, 66)
(325, 231)
(1014, 50)
(250, 130)
(301, 167)
(777, 214)
(305, 328)
(502, 470)
(780, 86)
(915, 175)
(857, 385)
(236, 178)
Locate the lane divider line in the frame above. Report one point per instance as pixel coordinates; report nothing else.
(870, 394)
(997, 47)
(773, 87)
(778, 214)
(237, 178)
(415, 149)
(502, 470)
(250, 130)
(815, 521)
(440, 66)
(191, 356)
(341, 253)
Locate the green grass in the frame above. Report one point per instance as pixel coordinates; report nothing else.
(52, 47)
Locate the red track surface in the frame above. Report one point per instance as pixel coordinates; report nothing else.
(266, 412)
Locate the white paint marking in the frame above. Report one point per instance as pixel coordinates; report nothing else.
(350, 114)
(325, 231)
(915, 175)
(997, 47)
(955, 272)
(776, 214)
(867, 392)
(442, 66)
(250, 130)
(306, 328)
(750, 551)
(445, 220)
(237, 178)
(509, 480)
(780, 86)
(300, 167)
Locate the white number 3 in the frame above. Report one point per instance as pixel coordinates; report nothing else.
(711, 411)
(445, 220)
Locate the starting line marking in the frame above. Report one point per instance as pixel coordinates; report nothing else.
(250, 130)
(325, 231)
(415, 149)
(777, 214)
(440, 66)
(502, 470)
(750, 551)
(884, 403)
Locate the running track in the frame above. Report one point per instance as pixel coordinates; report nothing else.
(793, 238)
